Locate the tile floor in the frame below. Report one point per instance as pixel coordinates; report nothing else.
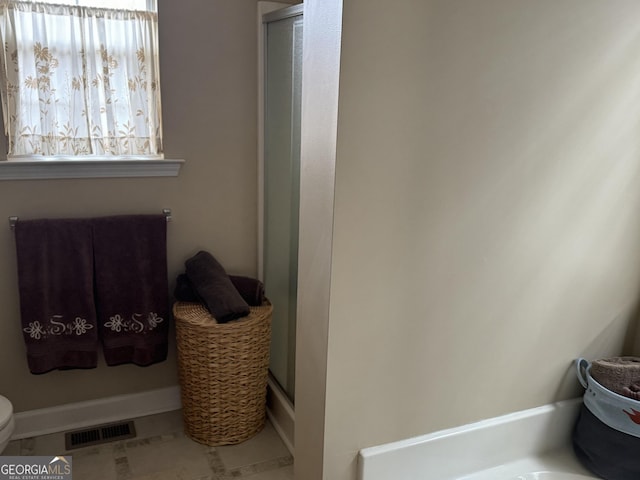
(161, 451)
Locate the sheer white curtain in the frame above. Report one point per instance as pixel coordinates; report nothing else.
(79, 81)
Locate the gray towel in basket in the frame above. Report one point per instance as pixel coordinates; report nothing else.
(250, 289)
(618, 374)
(214, 287)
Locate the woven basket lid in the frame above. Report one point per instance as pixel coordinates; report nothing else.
(197, 314)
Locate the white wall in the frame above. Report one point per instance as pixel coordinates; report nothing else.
(486, 227)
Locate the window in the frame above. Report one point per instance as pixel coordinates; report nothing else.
(80, 79)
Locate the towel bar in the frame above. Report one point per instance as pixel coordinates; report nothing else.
(14, 219)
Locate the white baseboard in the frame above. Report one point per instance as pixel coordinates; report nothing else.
(281, 414)
(73, 416)
(95, 412)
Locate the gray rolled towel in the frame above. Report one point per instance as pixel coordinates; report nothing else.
(214, 287)
(250, 289)
(618, 374)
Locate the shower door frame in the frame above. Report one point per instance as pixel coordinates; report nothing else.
(266, 14)
(280, 409)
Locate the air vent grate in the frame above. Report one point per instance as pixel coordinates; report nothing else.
(99, 434)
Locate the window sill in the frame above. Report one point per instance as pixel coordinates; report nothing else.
(50, 169)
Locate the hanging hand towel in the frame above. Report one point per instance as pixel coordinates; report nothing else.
(55, 280)
(132, 293)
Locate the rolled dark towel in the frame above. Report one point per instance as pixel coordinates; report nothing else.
(250, 289)
(212, 284)
(184, 291)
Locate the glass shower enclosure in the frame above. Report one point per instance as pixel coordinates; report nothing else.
(281, 184)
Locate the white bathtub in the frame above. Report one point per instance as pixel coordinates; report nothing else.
(529, 445)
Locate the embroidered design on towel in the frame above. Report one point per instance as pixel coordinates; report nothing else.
(134, 324)
(38, 331)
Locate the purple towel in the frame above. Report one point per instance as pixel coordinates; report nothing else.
(55, 279)
(213, 286)
(250, 289)
(132, 293)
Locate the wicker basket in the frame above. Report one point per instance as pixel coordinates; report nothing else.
(223, 372)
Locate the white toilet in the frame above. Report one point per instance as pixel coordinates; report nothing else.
(7, 422)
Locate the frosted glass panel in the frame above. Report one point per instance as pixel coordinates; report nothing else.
(283, 78)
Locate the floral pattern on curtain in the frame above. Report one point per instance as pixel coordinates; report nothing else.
(79, 81)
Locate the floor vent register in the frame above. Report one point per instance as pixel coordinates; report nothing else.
(100, 434)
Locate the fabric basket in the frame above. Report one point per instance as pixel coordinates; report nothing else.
(606, 437)
(223, 371)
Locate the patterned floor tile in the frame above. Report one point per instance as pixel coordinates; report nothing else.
(173, 474)
(94, 465)
(12, 449)
(178, 455)
(284, 473)
(161, 451)
(265, 446)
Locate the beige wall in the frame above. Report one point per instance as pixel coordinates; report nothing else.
(486, 228)
(208, 74)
